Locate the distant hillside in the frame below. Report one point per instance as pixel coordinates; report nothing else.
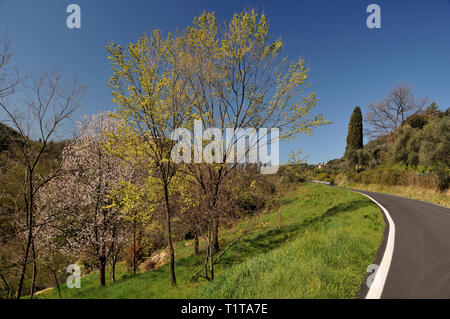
(7, 135)
(417, 153)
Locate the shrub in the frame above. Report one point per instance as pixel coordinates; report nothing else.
(326, 177)
(442, 177)
(416, 121)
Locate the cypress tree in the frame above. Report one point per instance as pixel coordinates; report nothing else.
(354, 134)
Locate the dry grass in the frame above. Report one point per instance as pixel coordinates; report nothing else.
(415, 192)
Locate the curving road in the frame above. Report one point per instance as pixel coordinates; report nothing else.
(420, 264)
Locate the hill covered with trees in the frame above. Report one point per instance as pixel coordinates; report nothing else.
(410, 145)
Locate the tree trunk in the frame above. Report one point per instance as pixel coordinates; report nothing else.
(102, 270)
(33, 280)
(208, 251)
(24, 266)
(29, 203)
(113, 269)
(134, 247)
(215, 229)
(169, 237)
(216, 234)
(196, 245)
(211, 264)
(10, 291)
(56, 282)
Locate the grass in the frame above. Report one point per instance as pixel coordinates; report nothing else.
(317, 245)
(414, 192)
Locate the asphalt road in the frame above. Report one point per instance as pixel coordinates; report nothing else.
(420, 265)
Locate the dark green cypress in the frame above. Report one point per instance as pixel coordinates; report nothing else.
(355, 133)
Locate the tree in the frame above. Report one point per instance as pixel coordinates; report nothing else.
(354, 135)
(234, 79)
(387, 115)
(243, 82)
(435, 149)
(52, 245)
(153, 100)
(405, 149)
(8, 79)
(7, 87)
(432, 110)
(137, 201)
(91, 174)
(48, 104)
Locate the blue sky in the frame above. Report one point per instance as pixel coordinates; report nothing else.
(350, 64)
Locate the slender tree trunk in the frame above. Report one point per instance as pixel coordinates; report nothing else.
(113, 268)
(134, 247)
(216, 246)
(169, 237)
(211, 263)
(29, 203)
(56, 282)
(208, 252)
(24, 266)
(33, 280)
(10, 291)
(196, 245)
(102, 270)
(114, 256)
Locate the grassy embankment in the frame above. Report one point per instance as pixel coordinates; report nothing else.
(414, 192)
(317, 245)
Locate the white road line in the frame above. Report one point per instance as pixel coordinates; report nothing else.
(376, 289)
(420, 200)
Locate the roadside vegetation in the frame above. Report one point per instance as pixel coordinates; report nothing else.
(128, 184)
(318, 244)
(414, 192)
(145, 215)
(408, 154)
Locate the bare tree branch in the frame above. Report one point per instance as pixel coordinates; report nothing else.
(387, 115)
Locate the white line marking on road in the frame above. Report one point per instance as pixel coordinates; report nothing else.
(420, 200)
(376, 289)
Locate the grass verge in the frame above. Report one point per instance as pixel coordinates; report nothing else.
(317, 245)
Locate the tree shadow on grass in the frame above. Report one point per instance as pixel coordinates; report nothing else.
(287, 201)
(270, 239)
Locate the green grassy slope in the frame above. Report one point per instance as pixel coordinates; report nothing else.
(318, 245)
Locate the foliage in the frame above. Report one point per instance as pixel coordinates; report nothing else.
(354, 135)
(317, 228)
(231, 79)
(416, 153)
(416, 121)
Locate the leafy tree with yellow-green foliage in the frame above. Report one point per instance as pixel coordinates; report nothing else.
(153, 99)
(231, 78)
(244, 82)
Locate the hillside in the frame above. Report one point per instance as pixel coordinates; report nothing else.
(12, 202)
(7, 136)
(411, 161)
(317, 245)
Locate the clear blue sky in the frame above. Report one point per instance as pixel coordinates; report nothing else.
(350, 64)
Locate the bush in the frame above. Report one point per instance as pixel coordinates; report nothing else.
(442, 177)
(325, 177)
(416, 121)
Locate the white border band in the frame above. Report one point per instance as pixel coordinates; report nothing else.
(376, 289)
